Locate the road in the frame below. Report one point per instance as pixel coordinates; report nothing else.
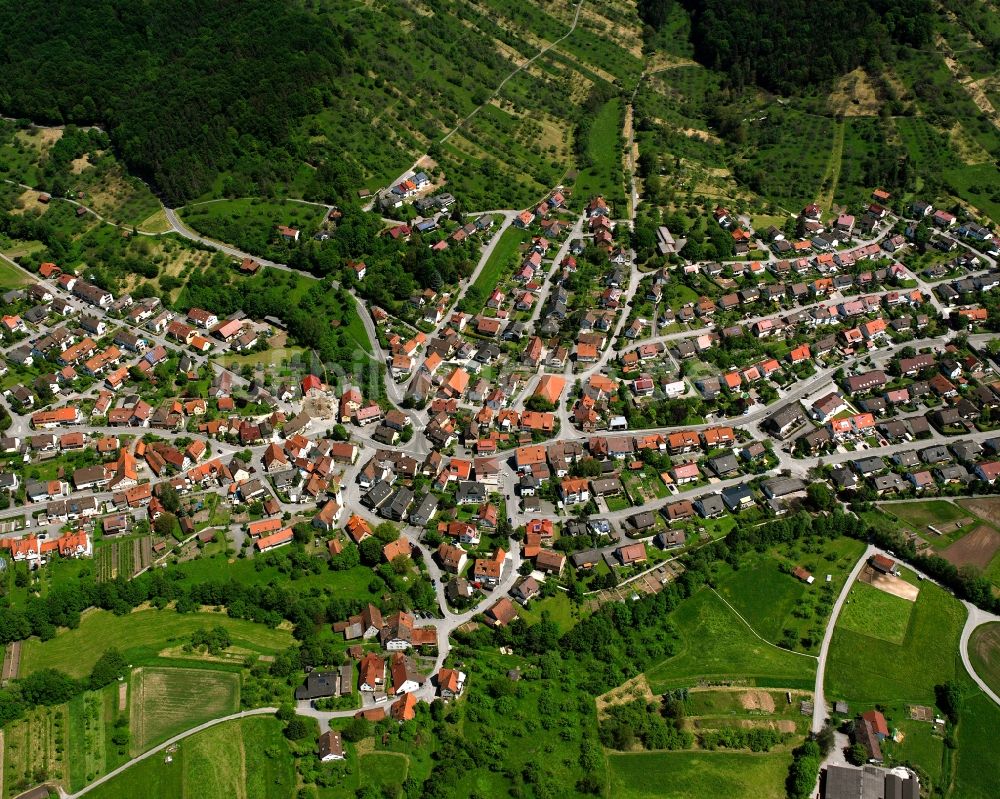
(261, 711)
(976, 618)
(819, 699)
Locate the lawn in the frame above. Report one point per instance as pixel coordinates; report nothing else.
(167, 701)
(873, 612)
(247, 759)
(865, 669)
(715, 646)
(698, 775)
(984, 652)
(141, 636)
(380, 769)
(559, 608)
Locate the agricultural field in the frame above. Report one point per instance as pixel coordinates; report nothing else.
(865, 669)
(124, 558)
(871, 611)
(143, 636)
(167, 701)
(246, 759)
(698, 775)
(95, 717)
(716, 648)
(984, 652)
(36, 748)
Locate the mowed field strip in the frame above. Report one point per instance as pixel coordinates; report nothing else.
(141, 636)
(167, 701)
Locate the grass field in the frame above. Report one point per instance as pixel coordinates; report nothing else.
(11, 277)
(698, 775)
(603, 176)
(763, 595)
(920, 514)
(380, 769)
(984, 652)
(141, 636)
(168, 701)
(717, 646)
(872, 612)
(976, 775)
(500, 260)
(865, 669)
(779, 607)
(246, 759)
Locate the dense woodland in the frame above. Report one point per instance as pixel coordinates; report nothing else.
(788, 47)
(188, 89)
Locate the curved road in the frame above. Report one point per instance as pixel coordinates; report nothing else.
(819, 700)
(976, 618)
(261, 711)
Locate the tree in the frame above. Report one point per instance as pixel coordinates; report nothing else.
(296, 729)
(169, 498)
(857, 755)
(164, 524)
(949, 698)
(386, 532)
(371, 551)
(340, 433)
(357, 729)
(820, 497)
(110, 666)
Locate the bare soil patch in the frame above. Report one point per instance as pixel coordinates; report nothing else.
(122, 696)
(636, 688)
(854, 95)
(975, 549)
(896, 586)
(987, 508)
(757, 700)
(78, 165)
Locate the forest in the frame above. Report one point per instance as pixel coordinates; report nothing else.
(789, 47)
(187, 89)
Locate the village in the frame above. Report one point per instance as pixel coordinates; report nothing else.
(575, 434)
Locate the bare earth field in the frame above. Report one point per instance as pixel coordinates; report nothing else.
(975, 549)
(891, 585)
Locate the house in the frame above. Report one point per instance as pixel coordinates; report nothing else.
(372, 673)
(451, 683)
(330, 747)
(737, 498)
(883, 564)
(631, 554)
(502, 613)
